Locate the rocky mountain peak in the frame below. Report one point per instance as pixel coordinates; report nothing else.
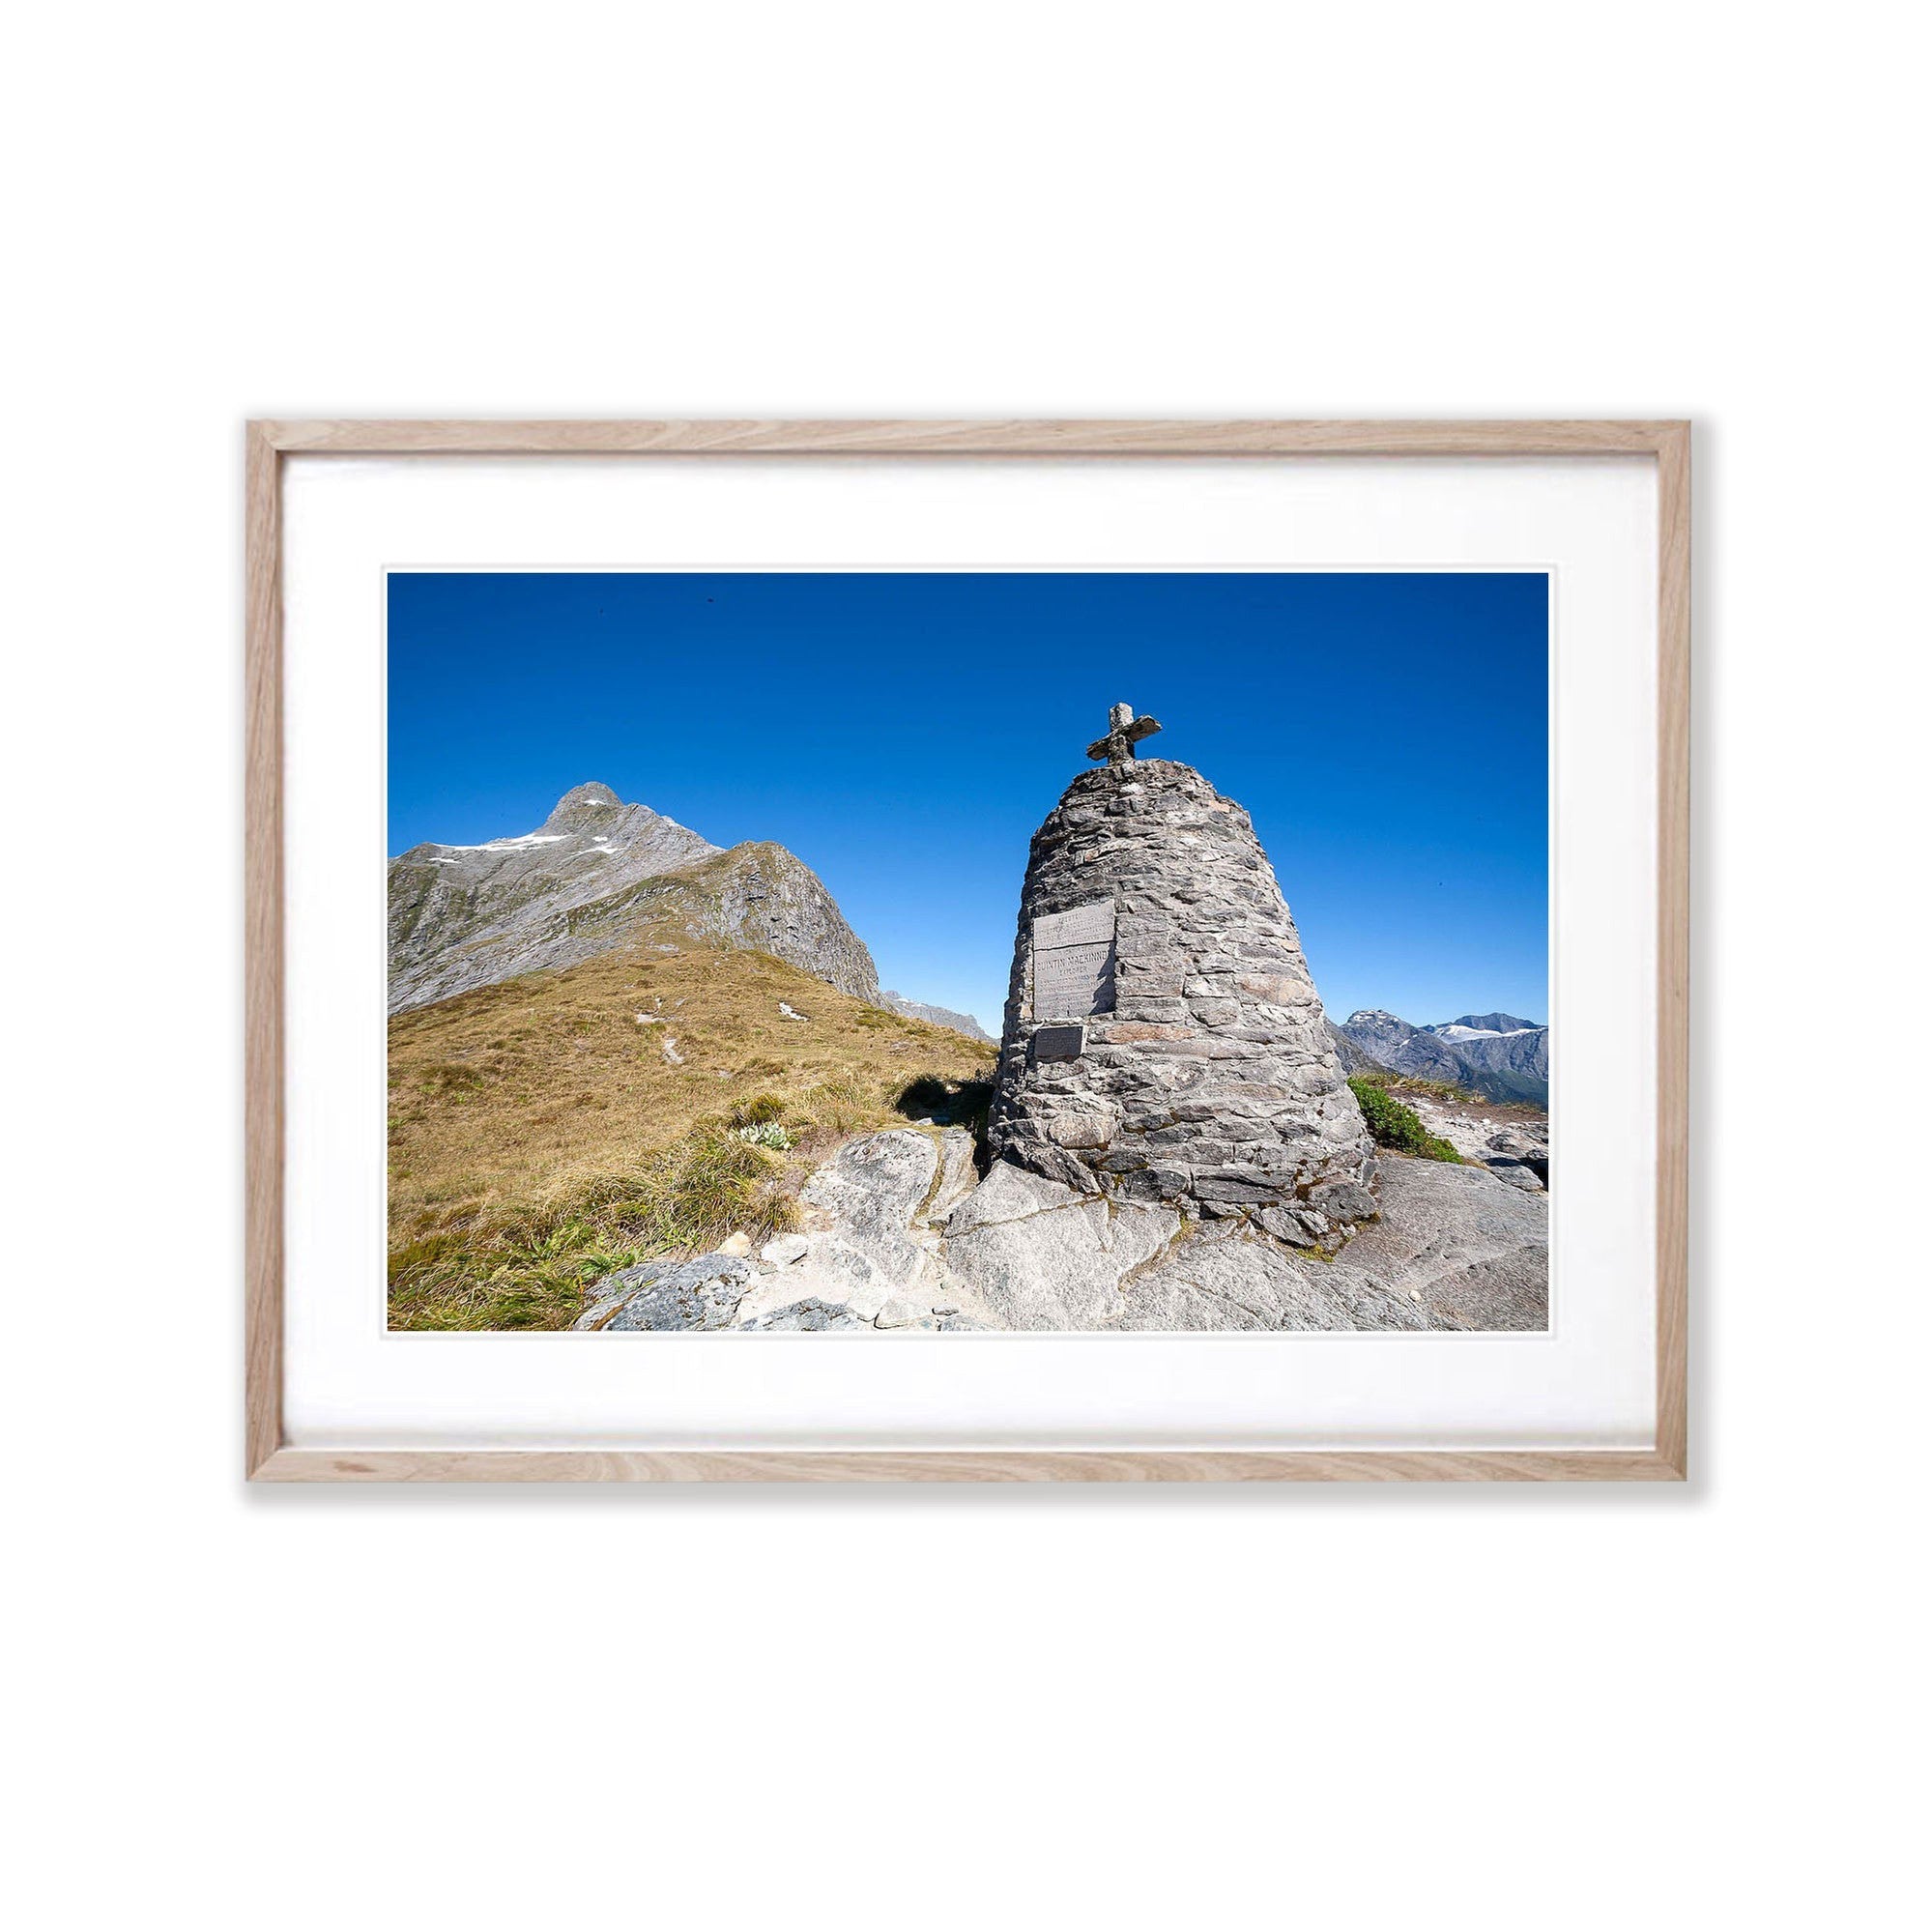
(584, 797)
(596, 808)
(763, 896)
(590, 877)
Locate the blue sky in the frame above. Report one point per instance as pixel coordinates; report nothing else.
(904, 735)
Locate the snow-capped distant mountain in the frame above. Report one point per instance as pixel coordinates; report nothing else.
(1483, 1026)
(1510, 1056)
(1494, 1055)
(1390, 1041)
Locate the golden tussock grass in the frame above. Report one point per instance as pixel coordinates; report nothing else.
(541, 1136)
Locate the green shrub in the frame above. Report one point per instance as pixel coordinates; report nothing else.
(1394, 1125)
(760, 1111)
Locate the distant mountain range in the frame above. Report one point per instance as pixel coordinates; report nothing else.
(937, 1015)
(1493, 1054)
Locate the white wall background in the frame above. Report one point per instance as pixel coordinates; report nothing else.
(1338, 1708)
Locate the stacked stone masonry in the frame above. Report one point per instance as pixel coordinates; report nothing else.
(1204, 1077)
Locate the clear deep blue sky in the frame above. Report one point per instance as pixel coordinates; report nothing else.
(904, 733)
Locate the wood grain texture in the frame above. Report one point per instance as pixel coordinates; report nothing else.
(1072, 438)
(837, 1465)
(1673, 948)
(263, 994)
(270, 1460)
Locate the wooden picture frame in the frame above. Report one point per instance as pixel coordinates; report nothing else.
(268, 1458)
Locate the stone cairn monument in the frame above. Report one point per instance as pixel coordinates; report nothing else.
(1163, 1039)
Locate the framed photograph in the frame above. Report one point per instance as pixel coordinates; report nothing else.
(958, 951)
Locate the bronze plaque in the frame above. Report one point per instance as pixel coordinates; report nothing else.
(1059, 1043)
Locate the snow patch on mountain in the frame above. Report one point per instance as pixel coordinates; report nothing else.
(1495, 1055)
(517, 844)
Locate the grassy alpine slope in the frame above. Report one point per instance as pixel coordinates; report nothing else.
(548, 1129)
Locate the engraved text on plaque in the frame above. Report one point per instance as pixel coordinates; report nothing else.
(1072, 962)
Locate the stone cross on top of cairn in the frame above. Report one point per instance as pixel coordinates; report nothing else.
(1124, 730)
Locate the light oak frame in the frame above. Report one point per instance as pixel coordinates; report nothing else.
(269, 1459)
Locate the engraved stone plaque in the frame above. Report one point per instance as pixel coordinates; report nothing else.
(1059, 1043)
(1068, 981)
(1072, 962)
(1084, 925)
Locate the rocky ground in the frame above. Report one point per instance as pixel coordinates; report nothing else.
(902, 1236)
(868, 1256)
(1510, 1139)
